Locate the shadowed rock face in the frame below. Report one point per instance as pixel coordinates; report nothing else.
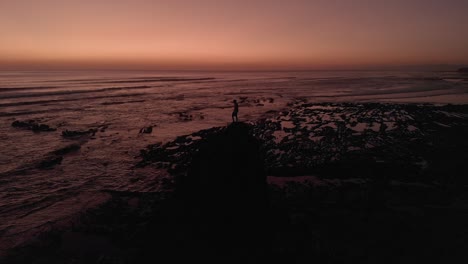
(225, 188)
(228, 169)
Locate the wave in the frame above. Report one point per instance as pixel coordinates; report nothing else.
(341, 79)
(123, 102)
(69, 100)
(154, 80)
(9, 89)
(76, 109)
(134, 80)
(420, 93)
(102, 81)
(68, 92)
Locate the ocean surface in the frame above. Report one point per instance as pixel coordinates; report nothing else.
(120, 103)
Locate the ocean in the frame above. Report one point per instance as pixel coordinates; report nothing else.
(118, 104)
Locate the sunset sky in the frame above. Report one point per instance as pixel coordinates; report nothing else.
(253, 34)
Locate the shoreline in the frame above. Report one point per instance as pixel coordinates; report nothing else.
(325, 162)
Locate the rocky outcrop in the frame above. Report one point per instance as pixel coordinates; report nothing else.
(55, 157)
(32, 125)
(66, 150)
(227, 171)
(146, 130)
(50, 162)
(346, 183)
(225, 191)
(78, 133)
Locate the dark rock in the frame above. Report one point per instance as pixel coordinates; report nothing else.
(32, 125)
(225, 187)
(184, 116)
(361, 205)
(103, 128)
(146, 130)
(383, 127)
(71, 133)
(25, 124)
(55, 157)
(66, 150)
(463, 70)
(50, 162)
(228, 164)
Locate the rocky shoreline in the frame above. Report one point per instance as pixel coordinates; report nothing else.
(333, 182)
(312, 138)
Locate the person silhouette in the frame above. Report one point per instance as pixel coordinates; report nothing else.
(234, 113)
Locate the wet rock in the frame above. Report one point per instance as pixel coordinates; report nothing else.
(78, 133)
(32, 125)
(56, 157)
(146, 130)
(328, 134)
(50, 162)
(66, 150)
(383, 127)
(22, 124)
(184, 116)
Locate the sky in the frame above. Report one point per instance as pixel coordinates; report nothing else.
(236, 35)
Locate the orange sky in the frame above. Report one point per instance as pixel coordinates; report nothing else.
(253, 34)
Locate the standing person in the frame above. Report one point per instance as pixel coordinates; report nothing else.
(234, 113)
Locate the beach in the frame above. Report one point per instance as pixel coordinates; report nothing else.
(78, 152)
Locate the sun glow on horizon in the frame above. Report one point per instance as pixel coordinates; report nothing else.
(227, 34)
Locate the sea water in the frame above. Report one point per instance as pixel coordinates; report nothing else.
(121, 103)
